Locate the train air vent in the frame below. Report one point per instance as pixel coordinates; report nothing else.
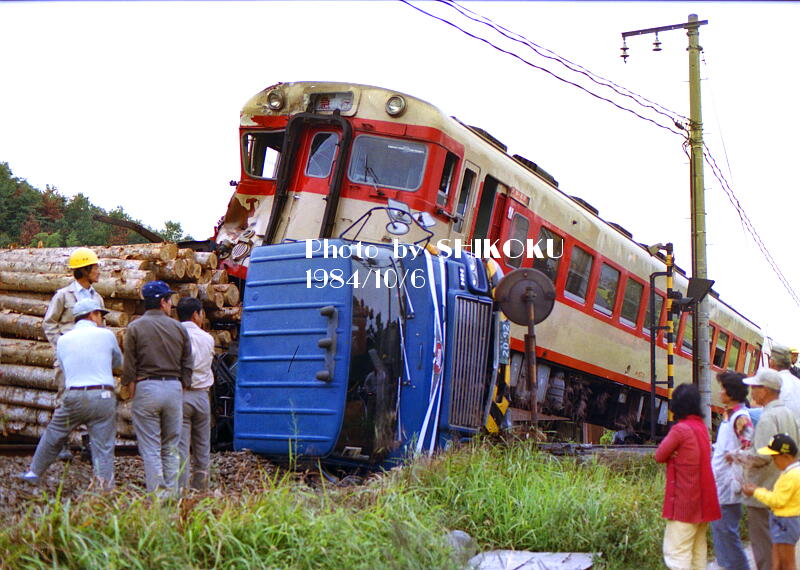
(471, 344)
(533, 167)
(486, 136)
(620, 229)
(586, 205)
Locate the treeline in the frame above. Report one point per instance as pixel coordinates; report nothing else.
(30, 217)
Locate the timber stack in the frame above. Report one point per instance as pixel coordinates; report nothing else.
(30, 277)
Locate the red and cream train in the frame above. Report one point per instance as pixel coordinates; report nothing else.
(316, 156)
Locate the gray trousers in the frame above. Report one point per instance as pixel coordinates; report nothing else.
(157, 412)
(196, 436)
(95, 408)
(760, 539)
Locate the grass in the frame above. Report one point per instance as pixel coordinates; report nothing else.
(505, 496)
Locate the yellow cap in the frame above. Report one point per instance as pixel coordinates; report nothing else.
(82, 257)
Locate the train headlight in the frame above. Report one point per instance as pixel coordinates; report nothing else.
(275, 100)
(396, 105)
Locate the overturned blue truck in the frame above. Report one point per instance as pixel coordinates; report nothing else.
(365, 354)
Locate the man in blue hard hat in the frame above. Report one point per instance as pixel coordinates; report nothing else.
(158, 365)
(87, 354)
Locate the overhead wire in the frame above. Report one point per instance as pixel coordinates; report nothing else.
(709, 159)
(540, 68)
(572, 66)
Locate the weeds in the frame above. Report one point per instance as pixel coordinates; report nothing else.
(505, 496)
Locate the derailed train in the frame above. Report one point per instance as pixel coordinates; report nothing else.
(365, 357)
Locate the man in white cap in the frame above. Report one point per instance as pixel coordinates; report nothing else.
(765, 389)
(780, 360)
(58, 319)
(794, 369)
(87, 354)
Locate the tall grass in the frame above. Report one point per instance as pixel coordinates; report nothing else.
(504, 496)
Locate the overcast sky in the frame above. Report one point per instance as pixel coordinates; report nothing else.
(137, 104)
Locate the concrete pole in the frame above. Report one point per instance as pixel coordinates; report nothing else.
(699, 264)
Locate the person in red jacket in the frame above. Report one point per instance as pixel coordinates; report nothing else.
(690, 497)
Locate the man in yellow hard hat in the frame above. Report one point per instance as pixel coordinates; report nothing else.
(59, 318)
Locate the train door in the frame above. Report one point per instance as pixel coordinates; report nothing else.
(463, 213)
(514, 229)
(491, 207)
(311, 169)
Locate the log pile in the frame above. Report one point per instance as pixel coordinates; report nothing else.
(30, 277)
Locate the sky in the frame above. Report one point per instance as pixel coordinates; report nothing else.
(136, 104)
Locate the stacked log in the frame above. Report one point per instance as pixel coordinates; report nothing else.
(29, 278)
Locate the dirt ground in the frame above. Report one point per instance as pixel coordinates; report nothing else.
(231, 472)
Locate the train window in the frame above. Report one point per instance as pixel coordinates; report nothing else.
(719, 351)
(516, 242)
(580, 268)
(687, 343)
(659, 304)
(390, 163)
(549, 265)
(733, 355)
(463, 198)
(607, 286)
(748, 359)
(321, 154)
(446, 183)
(631, 302)
(262, 151)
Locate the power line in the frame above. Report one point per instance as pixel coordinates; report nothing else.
(556, 76)
(572, 66)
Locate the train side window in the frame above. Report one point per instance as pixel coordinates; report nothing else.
(463, 198)
(262, 151)
(748, 358)
(733, 355)
(321, 155)
(631, 301)
(516, 240)
(549, 265)
(659, 304)
(446, 183)
(687, 343)
(607, 287)
(580, 268)
(719, 351)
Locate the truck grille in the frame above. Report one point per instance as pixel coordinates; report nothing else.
(470, 350)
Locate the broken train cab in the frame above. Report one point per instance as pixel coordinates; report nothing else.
(365, 353)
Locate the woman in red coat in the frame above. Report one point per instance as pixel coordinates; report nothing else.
(690, 498)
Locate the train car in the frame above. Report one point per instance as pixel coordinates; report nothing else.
(316, 156)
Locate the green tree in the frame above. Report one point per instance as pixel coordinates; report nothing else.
(173, 232)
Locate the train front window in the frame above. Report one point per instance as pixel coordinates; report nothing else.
(580, 268)
(321, 155)
(606, 294)
(261, 152)
(549, 265)
(370, 423)
(389, 163)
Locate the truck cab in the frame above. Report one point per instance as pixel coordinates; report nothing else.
(363, 353)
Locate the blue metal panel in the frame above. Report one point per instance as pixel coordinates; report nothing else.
(281, 408)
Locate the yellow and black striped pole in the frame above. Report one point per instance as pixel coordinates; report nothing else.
(670, 330)
(502, 387)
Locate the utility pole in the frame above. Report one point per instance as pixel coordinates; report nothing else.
(700, 362)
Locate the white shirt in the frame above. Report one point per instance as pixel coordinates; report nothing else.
(202, 353)
(790, 391)
(87, 354)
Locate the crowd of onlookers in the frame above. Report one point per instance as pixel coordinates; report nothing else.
(166, 371)
(753, 464)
